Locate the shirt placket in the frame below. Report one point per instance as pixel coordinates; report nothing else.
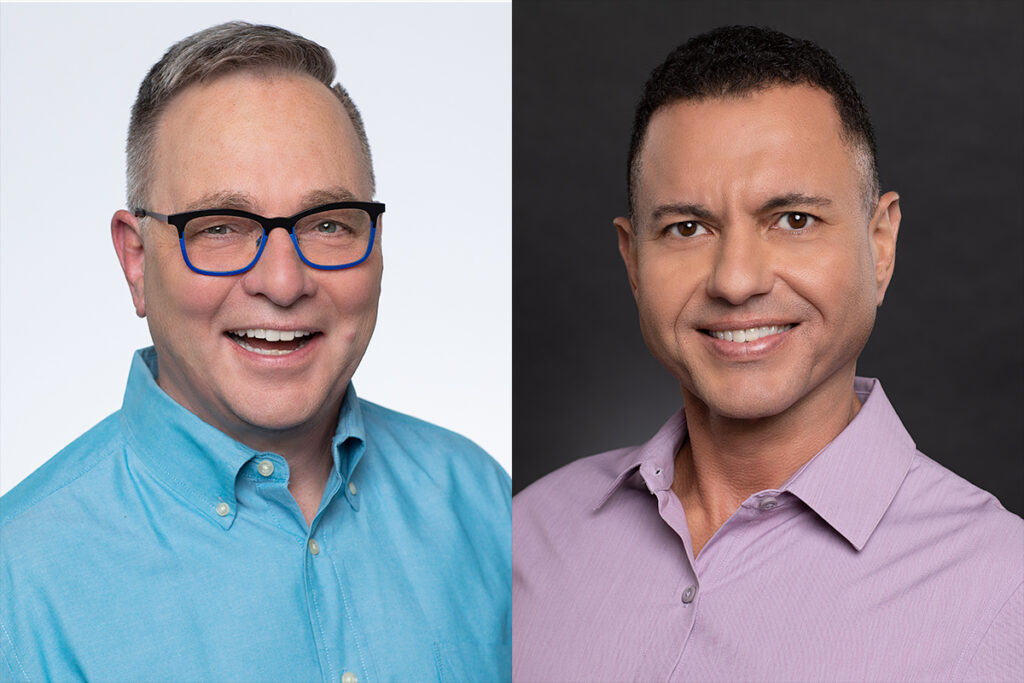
(679, 617)
(319, 576)
(341, 647)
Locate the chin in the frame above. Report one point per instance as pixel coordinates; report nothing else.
(275, 415)
(742, 400)
(755, 409)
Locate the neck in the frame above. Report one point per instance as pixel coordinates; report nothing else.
(725, 460)
(308, 454)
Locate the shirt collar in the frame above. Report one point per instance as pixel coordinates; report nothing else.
(196, 459)
(849, 483)
(654, 460)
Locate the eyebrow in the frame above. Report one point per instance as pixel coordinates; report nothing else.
(243, 201)
(695, 210)
(701, 212)
(328, 195)
(223, 199)
(794, 199)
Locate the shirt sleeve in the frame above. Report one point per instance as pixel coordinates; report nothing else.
(1000, 656)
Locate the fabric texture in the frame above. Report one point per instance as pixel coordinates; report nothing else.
(871, 563)
(157, 548)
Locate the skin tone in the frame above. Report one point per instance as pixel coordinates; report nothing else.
(750, 213)
(240, 141)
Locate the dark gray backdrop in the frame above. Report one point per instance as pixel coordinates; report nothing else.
(943, 83)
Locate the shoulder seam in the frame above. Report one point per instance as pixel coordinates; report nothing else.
(14, 653)
(110, 450)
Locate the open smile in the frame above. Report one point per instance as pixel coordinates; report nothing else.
(271, 342)
(750, 334)
(740, 341)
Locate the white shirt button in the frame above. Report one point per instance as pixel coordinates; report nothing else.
(768, 503)
(349, 677)
(352, 490)
(688, 594)
(314, 547)
(265, 468)
(223, 509)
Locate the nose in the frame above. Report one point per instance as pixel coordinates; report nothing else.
(279, 275)
(742, 268)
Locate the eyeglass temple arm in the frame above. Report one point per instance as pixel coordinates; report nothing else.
(142, 213)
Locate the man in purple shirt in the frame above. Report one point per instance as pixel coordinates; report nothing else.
(782, 525)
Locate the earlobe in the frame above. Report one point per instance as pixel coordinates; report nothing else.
(885, 227)
(127, 236)
(627, 248)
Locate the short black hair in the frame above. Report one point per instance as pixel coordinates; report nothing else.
(738, 60)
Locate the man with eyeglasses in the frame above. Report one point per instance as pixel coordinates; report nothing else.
(245, 516)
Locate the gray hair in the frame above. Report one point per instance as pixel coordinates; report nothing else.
(218, 50)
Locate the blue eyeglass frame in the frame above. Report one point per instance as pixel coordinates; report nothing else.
(178, 220)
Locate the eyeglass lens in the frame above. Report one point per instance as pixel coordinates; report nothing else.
(336, 237)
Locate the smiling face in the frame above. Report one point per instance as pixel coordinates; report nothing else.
(754, 265)
(274, 145)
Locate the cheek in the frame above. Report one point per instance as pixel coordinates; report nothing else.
(177, 298)
(355, 297)
(838, 280)
(666, 285)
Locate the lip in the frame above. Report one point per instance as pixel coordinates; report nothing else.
(746, 351)
(289, 360)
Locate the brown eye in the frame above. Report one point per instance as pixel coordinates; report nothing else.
(795, 220)
(686, 229)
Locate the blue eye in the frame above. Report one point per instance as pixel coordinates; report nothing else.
(328, 227)
(685, 229)
(794, 220)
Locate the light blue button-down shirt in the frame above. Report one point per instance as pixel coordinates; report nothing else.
(155, 547)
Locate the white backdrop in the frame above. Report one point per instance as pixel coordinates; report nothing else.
(433, 82)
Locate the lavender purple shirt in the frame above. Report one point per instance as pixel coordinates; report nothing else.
(872, 563)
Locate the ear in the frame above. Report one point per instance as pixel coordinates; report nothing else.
(127, 236)
(883, 230)
(627, 248)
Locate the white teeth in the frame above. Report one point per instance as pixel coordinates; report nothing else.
(271, 335)
(751, 334)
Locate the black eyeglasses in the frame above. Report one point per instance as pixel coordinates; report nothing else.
(229, 242)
